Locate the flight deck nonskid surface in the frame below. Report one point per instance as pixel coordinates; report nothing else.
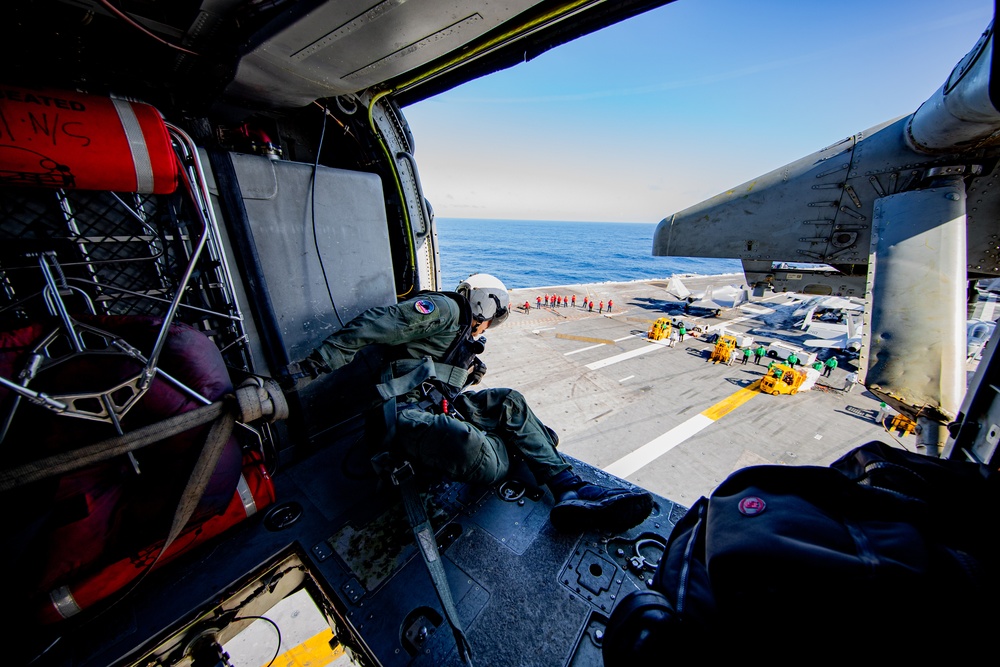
(609, 392)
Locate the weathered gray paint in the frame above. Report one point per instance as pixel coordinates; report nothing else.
(352, 236)
(914, 340)
(346, 47)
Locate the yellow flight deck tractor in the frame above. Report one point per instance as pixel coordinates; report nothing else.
(725, 348)
(782, 379)
(659, 330)
(902, 424)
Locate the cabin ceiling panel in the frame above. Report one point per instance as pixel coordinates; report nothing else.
(345, 47)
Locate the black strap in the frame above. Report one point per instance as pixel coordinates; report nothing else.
(388, 411)
(254, 399)
(402, 477)
(250, 402)
(465, 324)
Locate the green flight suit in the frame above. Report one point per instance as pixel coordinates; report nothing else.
(495, 424)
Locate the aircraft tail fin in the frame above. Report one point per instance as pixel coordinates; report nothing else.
(807, 320)
(676, 288)
(852, 327)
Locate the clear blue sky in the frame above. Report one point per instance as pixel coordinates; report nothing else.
(657, 113)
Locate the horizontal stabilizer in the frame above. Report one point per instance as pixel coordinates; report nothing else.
(852, 327)
(834, 343)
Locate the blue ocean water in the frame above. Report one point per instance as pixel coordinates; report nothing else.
(531, 253)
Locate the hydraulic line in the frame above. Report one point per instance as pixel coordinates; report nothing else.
(518, 31)
(399, 188)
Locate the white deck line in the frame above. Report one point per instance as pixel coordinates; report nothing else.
(657, 447)
(583, 349)
(624, 356)
(723, 325)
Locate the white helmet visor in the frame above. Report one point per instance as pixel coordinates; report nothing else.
(487, 296)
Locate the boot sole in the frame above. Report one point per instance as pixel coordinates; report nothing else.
(615, 514)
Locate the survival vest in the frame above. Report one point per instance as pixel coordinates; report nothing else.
(427, 381)
(380, 373)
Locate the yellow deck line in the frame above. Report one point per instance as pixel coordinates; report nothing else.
(313, 652)
(654, 449)
(733, 401)
(603, 341)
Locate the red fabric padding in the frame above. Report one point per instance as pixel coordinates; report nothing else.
(66, 529)
(62, 139)
(116, 576)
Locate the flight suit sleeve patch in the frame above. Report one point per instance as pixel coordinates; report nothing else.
(424, 306)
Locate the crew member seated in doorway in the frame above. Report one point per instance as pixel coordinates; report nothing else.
(474, 438)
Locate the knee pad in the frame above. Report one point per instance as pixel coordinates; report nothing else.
(452, 447)
(514, 395)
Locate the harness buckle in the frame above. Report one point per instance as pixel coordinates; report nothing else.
(433, 398)
(402, 474)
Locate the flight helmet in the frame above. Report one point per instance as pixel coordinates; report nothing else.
(487, 296)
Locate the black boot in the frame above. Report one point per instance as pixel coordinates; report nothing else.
(581, 505)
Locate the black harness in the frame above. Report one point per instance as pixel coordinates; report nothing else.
(400, 473)
(447, 376)
(463, 350)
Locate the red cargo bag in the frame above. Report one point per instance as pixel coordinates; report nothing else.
(87, 533)
(254, 492)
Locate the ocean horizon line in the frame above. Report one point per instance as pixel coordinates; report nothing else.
(629, 282)
(536, 254)
(535, 220)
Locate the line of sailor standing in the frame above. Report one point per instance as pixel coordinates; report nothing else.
(561, 301)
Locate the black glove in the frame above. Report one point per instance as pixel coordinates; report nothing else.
(313, 366)
(476, 373)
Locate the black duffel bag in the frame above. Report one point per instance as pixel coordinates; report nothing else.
(883, 555)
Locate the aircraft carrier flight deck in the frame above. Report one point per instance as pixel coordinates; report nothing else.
(593, 376)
